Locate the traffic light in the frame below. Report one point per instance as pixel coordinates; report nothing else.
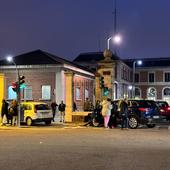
(105, 91)
(14, 86)
(101, 82)
(21, 80)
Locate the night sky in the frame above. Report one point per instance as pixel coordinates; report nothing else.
(67, 28)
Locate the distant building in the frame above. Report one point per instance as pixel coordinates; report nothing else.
(152, 78)
(112, 69)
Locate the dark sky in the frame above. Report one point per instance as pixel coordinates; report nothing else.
(69, 27)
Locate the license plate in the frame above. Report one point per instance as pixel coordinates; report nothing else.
(156, 117)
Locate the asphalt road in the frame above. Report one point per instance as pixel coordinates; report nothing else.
(81, 148)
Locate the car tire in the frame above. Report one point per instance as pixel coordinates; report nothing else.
(95, 122)
(150, 125)
(133, 122)
(48, 122)
(29, 121)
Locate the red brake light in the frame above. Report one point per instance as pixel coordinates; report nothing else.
(168, 108)
(143, 109)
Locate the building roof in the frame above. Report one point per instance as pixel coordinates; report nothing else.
(39, 57)
(150, 62)
(92, 56)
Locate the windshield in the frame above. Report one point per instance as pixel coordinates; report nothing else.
(42, 107)
(162, 104)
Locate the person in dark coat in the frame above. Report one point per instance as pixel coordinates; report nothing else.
(13, 111)
(113, 117)
(124, 113)
(61, 109)
(4, 111)
(53, 107)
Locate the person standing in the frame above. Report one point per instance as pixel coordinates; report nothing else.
(4, 111)
(106, 111)
(53, 107)
(124, 113)
(61, 109)
(14, 112)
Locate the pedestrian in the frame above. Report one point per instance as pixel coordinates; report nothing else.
(13, 111)
(106, 111)
(4, 112)
(53, 107)
(61, 109)
(124, 113)
(113, 117)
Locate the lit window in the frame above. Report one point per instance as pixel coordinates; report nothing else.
(78, 97)
(46, 92)
(86, 93)
(11, 93)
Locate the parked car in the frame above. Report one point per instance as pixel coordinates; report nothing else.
(143, 112)
(32, 112)
(164, 109)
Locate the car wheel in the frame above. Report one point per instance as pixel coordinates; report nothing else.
(95, 122)
(29, 121)
(48, 122)
(133, 122)
(150, 125)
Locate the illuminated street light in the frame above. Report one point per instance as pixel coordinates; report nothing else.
(117, 39)
(138, 62)
(10, 59)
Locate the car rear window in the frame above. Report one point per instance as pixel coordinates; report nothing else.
(145, 103)
(162, 104)
(42, 107)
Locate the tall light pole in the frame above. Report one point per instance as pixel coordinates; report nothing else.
(10, 59)
(138, 62)
(117, 39)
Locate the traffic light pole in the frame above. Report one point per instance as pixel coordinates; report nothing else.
(18, 93)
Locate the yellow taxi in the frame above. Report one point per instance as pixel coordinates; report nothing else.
(32, 112)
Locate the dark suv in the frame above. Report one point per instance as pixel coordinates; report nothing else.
(143, 112)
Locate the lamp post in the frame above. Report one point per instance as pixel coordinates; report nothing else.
(138, 62)
(117, 39)
(10, 59)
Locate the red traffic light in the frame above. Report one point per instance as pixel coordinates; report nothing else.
(14, 86)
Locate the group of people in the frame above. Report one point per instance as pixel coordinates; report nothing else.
(61, 108)
(111, 110)
(9, 113)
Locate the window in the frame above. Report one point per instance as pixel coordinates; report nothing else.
(137, 92)
(78, 97)
(136, 77)
(28, 93)
(11, 93)
(151, 93)
(167, 77)
(86, 93)
(151, 77)
(46, 92)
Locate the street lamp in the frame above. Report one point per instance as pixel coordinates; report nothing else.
(117, 39)
(138, 62)
(10, 59)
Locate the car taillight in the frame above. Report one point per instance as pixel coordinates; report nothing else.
(168, 108)
(143, 109)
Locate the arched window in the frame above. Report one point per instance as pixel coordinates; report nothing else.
(151, 93)
(166, 94)
(137, 92)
